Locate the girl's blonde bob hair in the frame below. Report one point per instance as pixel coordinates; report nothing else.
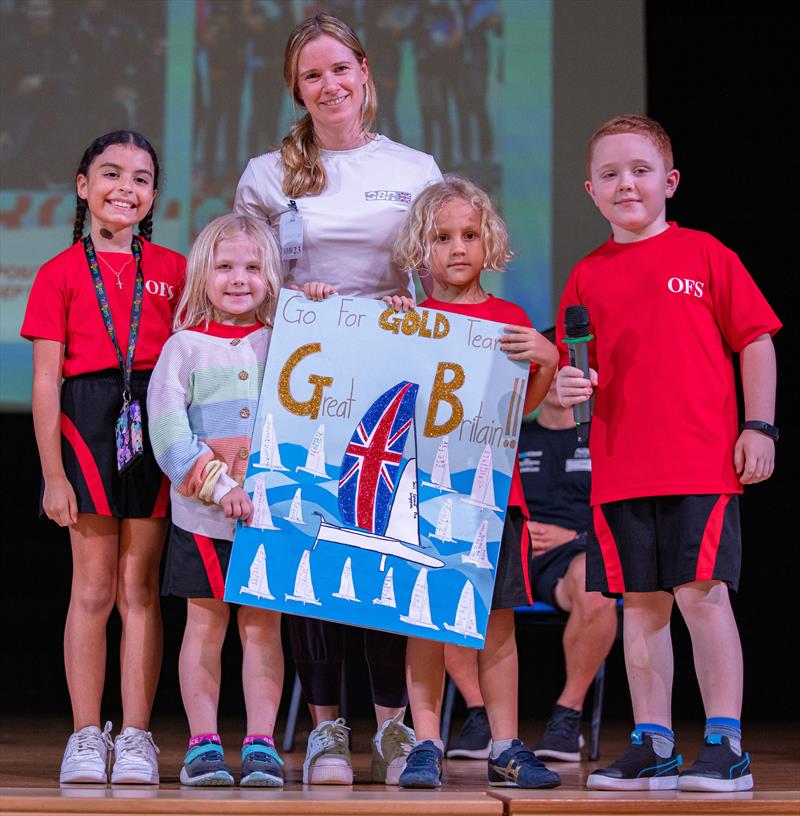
(412, 248)
(194, 306)
(303, 171)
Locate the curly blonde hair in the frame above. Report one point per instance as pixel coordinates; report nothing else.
(412, 248)
(194, 306)
(303, 171)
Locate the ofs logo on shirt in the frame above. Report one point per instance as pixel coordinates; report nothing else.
(686, 286)
(388, 195)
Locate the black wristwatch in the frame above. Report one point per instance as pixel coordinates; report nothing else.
(764, 427)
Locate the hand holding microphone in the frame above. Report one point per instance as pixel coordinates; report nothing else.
(576, 381)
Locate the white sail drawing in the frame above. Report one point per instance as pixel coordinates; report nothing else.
(477, 553)
(262, 518)
(303, 588)
(387, 591)
(296, 510)
(315, 460)
(347, 591)
(269, 457)
(444, 527)
(482, 494)
(419, 608)
(464, 623)
(257, 584)
(440, 473)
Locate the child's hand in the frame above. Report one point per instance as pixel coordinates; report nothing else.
(400, 301)
(572, 387)
(525, 343)
(316, 290)
(59, 502)
(237, 505)
(754, 457)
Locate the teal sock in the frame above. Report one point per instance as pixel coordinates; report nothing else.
(662, 737)
(719, 727)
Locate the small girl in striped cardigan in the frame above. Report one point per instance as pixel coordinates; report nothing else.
(202, 404)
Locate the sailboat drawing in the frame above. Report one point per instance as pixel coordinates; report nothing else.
(347, 591)
(296, 509)
(315, 460)
(482, 493)
(440, 473)
(477, 553)
(419, 609)
(377, 493)
(303, 588)
(444, 528)
(257, 584)
(269, 457)
(262, 518)
(387, 591)
(465, 614)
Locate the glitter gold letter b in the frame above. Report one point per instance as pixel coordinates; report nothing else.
(444, 392)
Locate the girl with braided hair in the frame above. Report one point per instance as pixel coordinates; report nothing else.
(98, 315)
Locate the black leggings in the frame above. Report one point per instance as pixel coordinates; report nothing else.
(318, 650)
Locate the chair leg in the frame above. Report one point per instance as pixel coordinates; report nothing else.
(597, 712)
(447, 709)
(291, 717)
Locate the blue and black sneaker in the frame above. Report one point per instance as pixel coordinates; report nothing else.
(639, 768)
(261, 766)
(518, 767)
(423, 767)
(718, 768)
(205, 765)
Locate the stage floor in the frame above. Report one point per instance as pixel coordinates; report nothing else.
(32, 750)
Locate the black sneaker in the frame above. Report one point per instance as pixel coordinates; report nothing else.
(718, 768)
(562, 736)
(639, 768)
(474, 741)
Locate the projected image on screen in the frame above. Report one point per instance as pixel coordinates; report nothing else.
(465, 80)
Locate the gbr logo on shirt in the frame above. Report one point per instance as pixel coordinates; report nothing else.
(686, 286)
(160, 288)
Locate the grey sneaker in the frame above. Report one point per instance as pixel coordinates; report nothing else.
(86, 756)
(135, 758)
(390, 747)
(328, 755)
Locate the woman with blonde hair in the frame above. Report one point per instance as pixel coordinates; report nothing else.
(337, 192)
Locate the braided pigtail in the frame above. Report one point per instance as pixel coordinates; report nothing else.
(303, 170)
(80, 220)
(146, 226)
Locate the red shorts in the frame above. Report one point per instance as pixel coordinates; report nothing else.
(660, 542)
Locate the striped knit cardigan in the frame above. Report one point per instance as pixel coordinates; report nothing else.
(201, 407)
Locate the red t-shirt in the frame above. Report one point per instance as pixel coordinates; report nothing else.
(509, 314)
(667, 313)
(63, 306)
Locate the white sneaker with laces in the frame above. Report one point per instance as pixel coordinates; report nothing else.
(390, 747)
(135, 761)
(328, 755)
(86, 756)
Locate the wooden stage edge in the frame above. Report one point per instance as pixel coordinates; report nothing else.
(91, 800)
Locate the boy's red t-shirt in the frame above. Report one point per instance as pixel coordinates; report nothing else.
(63, 306)
(667, 314)
(509, 314)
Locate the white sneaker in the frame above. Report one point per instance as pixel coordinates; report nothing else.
(328, 755)
(390, 747)
(86, 756)
(135, 761)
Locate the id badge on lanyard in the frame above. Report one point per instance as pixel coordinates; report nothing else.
(291, 233)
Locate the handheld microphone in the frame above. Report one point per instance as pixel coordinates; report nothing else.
(576, 328)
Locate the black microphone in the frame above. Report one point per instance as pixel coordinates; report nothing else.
(576, 327)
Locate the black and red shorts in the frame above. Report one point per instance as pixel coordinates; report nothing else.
(512, 583)
(90, 405)
(660, 542)
(196, 565)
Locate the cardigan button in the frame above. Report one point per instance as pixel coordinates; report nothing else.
(243, 375)
(236, 341)
(243, 453)
(244, 413)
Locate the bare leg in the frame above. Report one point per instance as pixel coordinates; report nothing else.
(199, 665)
(706, 608)
(588, 635)
(95, 546)
(499, 674)
(321, 713)
(425, 681)
(138, 602)
(462, 666)
(648, 655)
(383, 713)
(262, 667)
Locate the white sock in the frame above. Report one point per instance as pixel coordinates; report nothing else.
(498, 746)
